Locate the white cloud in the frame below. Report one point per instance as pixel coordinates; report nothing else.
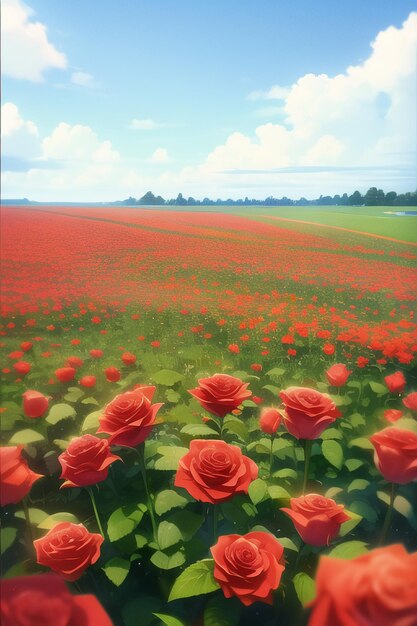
(144, 124)
(83, 79)
(160, 156)
(77, 143)
(26, 51)
(274, 93)
(20, 138)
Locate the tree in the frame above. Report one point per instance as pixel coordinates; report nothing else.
(180, 201)
(390, 198)
(356, 199)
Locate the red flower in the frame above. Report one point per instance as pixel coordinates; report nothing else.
(256, 367)
(88, 381)
(307, 412)
(17, 354)
(410, 401)
(44, 600)
(35, 404)
(378, 588)
(26, 346)
(338, 374)
(155, 344)
(395, 382)
(362, 361)
(234, 348)
(22, 367)
(86, 461)
(128, 358)
(130, 417)
(112, 374)
(68, 549)
(396, 454)
(270, 420)
(65, 374)
(96, 354)
(248, 566)
(75, 361)
(316, 519)
(329, 349)
(16, 477)
(214, 471)
(221, 394)
(392, 415)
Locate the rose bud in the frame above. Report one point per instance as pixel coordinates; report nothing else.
(307, 412)
(270, 420)
(68, 549)
(16, 477)
(112, 374)
(396, 454)
(316, 519)
(86, 461)
(130, 417)
(248, 566)
(35, 404)
(44, 600)
(128, 358)
(22, 367)
(378, 588)
(395, 382)
(221, 394)
(392, 415)
(338, 374)
(214, 471)
(88, 381)
(65, 374)
(410, 401)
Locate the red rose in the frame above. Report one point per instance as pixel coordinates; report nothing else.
(22, 367)
(68, 549)
(214, 471)
(16, 477)
(129, 417)
(88, 381)
(35, 404)
(338, 374)
(86, 461)
(65, 374)
(395, 382)
(270, 420)
(221, 394)
(74, 361)
(44, 600)
(96, 354)
(307, 412)
(26, 346)
(410, 401)
(376, 589)
(248, 566)
(392, 415)
(316, 519)
(128, 358)
(396, 454)
(112, 374)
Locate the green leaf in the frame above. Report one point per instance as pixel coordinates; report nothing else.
(331, 433)
(358, 484)
(168, 561)
(276, 373)
(288, 543)
(116, 570)
(26, 436)
(353, 464)
(187, 523)
(237, 427)
(258, 490)
(221, 611)
(172, 396)
(7, 537)
(171, 456)
(276, 492)
(333, 491)
(89, 400)
(357, 420)
(74, 394)
(361, 442)
(286, 472)
(349, 550)
(348, 526)
(57, 518)
(168, 535)
(124, 520)
(198, 430)
(196, 580)
(402, 506)
(333, 452)
(305, 587)
(36, 516)
(168, 378)
(272, 389)
(60, 412)
(365, 510)
(169, 499)
(378, 388)
(91, 422)
(168, 620)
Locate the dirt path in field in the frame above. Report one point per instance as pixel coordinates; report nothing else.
(347, 230)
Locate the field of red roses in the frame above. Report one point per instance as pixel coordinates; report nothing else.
(206, 421)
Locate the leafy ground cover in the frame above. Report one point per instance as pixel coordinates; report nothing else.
(100, 303)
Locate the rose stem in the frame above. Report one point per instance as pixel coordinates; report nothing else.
(271, 455)
(93, 502)
(388, 515)
(215, 517)
(307, 454)
(141, 455)
(27, 519)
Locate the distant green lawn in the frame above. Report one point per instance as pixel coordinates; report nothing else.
(373, 220)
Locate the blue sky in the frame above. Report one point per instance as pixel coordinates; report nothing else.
(102, 100)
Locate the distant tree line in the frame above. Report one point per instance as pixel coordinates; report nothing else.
(373, 197)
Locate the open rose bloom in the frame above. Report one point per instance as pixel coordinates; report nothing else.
(396, 454)
(307, 412)
(16, 477)
(45, 600)
(317, 519)
(86, 461)
(221, 394)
